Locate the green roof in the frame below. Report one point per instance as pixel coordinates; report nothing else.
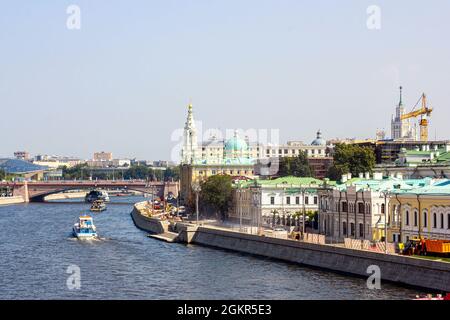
(289, 182)
(444, 156)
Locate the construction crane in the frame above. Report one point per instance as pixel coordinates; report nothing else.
(424, 112)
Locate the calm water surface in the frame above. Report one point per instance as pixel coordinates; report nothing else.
(36, 248)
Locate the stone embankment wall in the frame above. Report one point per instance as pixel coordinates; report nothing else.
(400, 269)
(152, 225)
(66, 195)
(11, 200)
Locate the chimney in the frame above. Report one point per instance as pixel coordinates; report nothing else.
(361, 175)
(344, 178)
(367, 175)
(349, 176)
(377, 176)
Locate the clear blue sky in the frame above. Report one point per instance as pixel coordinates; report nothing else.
(122, 82)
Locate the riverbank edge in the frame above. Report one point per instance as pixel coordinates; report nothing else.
(66, 195)
(11, 200)
(404, 270)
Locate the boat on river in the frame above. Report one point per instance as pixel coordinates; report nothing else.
(85, 228)
(98, 206)
(97, 195)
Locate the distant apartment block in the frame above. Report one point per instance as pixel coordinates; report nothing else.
(103, 156)
(22, 155)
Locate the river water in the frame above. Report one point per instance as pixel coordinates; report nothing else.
(36, 250)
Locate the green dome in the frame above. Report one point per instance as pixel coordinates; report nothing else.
(236, 144)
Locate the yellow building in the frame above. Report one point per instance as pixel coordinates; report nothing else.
(420, 212)
(195, 173)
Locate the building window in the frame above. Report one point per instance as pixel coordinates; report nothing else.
(434, 220)
(425, 222)
(361, 230)
(288, 200)
(415, 218)
(272, 200)
(442, 221)
(344, 207)
(306, 200)
(448, 220)
(214, 172)
(344, 228)
(297, 200)
(315, 200)
(360, 207)
(407, 218)
(382, 208)
(352, 229)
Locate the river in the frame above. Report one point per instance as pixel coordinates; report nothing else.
(37, 248)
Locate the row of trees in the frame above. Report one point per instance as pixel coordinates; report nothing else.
(347, 158)
(295, 166)
(351, 158)
(82, 171)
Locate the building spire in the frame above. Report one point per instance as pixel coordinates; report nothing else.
(400, 103)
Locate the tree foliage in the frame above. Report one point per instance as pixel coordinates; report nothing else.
(142, 172)
(295, 166)
(351, 158)
(216, 192)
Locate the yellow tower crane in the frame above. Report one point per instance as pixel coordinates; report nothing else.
(424, 112)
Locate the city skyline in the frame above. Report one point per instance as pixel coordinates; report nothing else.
(122, 82)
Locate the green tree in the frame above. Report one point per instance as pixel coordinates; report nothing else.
(75, 172)
(172, 173)
(351, 158)
(295, 166)
(138, 172)
(216, 192)
(2, 174)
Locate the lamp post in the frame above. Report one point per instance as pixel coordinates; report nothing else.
(385, 194)
(196, 188)
(304, 212)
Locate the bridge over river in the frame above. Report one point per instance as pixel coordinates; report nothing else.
(36, 191)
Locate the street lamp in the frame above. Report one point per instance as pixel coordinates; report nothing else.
(239, 205)
(304, 212)
(196, 188)
(385, 194)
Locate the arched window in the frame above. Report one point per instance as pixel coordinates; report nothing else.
(344, 228)
(407, 218)
(434, 220)
(415, 218)
(425, 222)
(442, 221)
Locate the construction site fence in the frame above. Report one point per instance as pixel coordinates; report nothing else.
(377, 246)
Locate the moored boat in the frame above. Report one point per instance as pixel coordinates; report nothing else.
(98, 206)
(85, 228)
(97, 195)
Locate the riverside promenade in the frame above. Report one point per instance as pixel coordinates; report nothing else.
(400, 269)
